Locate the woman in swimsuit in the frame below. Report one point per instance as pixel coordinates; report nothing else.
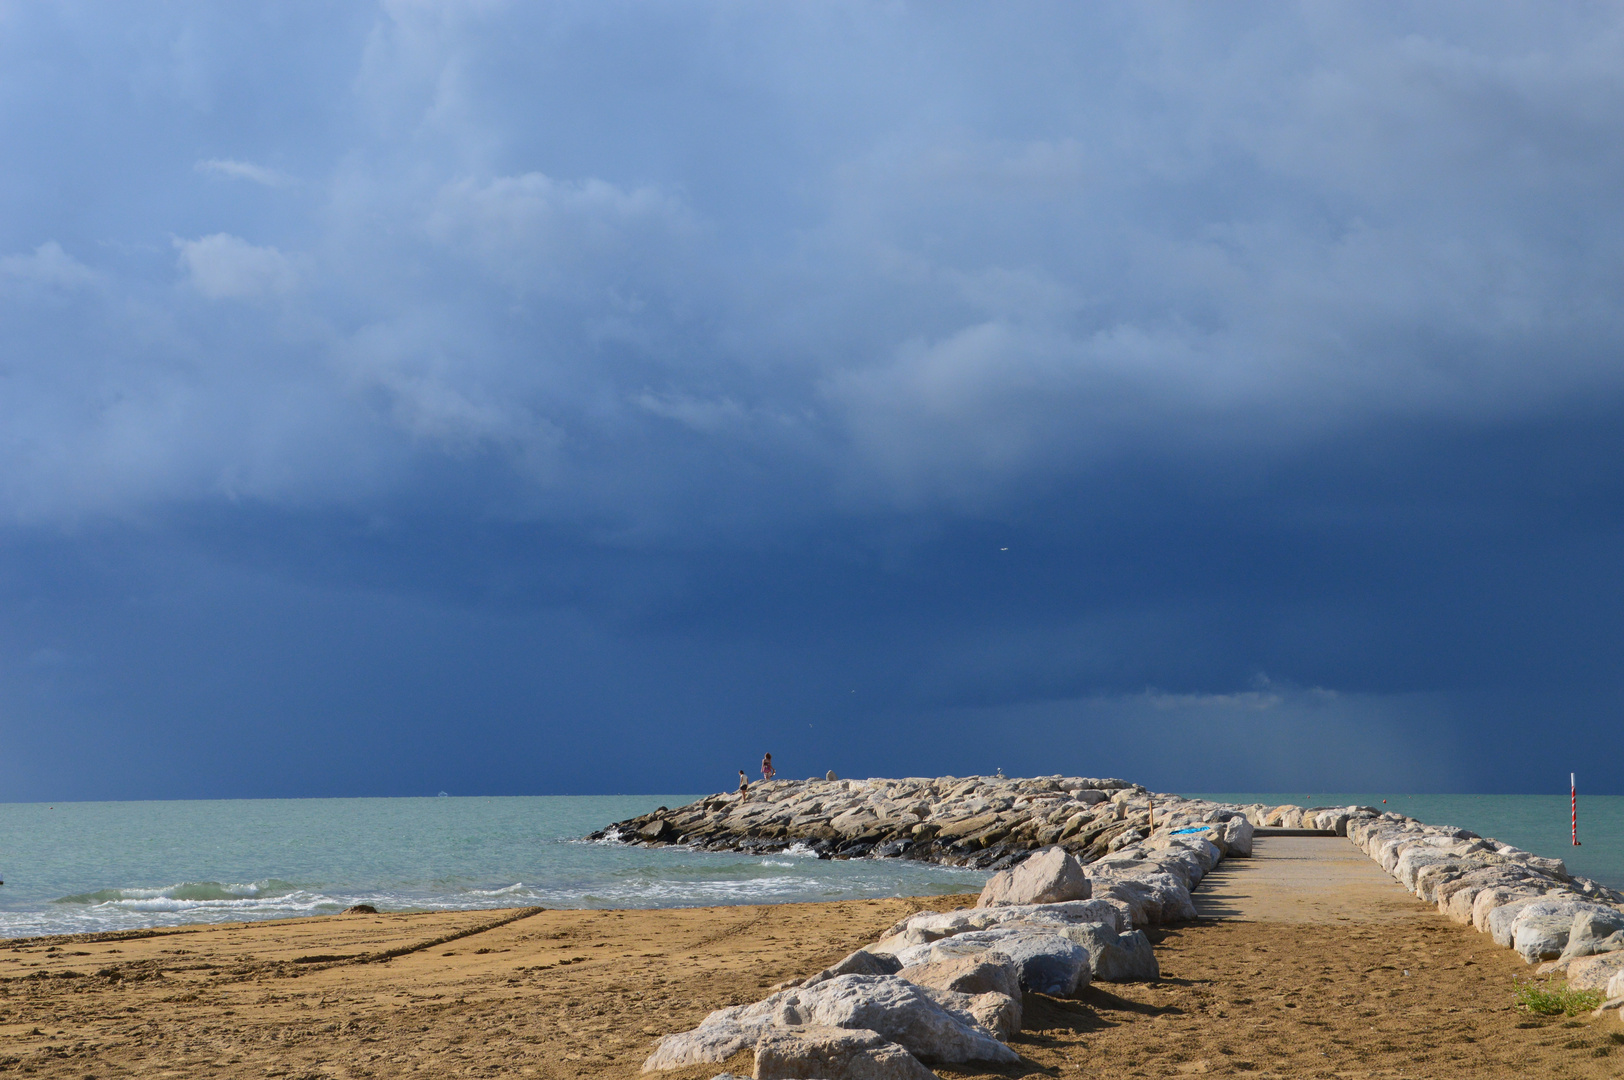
(767, 770)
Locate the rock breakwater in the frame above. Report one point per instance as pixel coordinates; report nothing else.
(981, 822)
(1115, 858)
(945, 987)
(940, 988)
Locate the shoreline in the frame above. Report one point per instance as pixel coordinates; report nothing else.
(1086, 870)
(587, 992)
(1243, 940)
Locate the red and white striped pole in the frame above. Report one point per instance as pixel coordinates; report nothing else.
(1573, 793)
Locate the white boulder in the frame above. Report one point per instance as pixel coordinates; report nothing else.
(828, 1053)
(861, 962)
(1149, 897)
(1048, 962)
(1114, 957)
(927, 926)
(1236, 836)
(1615, 985)
(1597, 930)
(983, 973)
(1593, 972)
(1049, 877)
(893, 1007)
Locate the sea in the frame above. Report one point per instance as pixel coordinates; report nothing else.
(97, 866)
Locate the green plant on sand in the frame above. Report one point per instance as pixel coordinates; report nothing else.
(1556, 999)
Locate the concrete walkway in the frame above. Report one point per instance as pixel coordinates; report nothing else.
(1304, 879)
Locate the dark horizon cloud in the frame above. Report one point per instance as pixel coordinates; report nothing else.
(504, 398)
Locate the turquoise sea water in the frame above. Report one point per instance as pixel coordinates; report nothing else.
(1536, 823)
(79, 867)
(76, 867)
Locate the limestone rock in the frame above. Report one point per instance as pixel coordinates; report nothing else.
(894, 1008)
(982, 973)
(989, 972)
(1541, 937)
(1499, 906)
(1049, 877)
(927, 926)
(1538, 930)
(981, 822)
(1594, 972)
(861, 962)
(1599, 930)
(1236, 836)
(898, 1010)
(718, 1037)
(998, 1013)
(1610, 1005)
(1149, 898)
(831, 1053)
(1114, 957)
(1048, 962)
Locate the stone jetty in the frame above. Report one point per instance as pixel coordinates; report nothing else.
(1082, 866)
(983, 822)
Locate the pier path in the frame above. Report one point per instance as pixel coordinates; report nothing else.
(1304, 879)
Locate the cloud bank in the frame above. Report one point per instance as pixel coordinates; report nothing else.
(1268, 337)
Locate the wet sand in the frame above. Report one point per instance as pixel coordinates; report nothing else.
(1308, 962)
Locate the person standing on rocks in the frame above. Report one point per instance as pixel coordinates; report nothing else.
(744, 786)
(767, 770)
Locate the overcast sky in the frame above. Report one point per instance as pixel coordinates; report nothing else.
(572, 398)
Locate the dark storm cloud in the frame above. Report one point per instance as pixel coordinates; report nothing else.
(685, 372)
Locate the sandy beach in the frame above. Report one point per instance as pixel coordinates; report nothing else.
(1308, 961)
